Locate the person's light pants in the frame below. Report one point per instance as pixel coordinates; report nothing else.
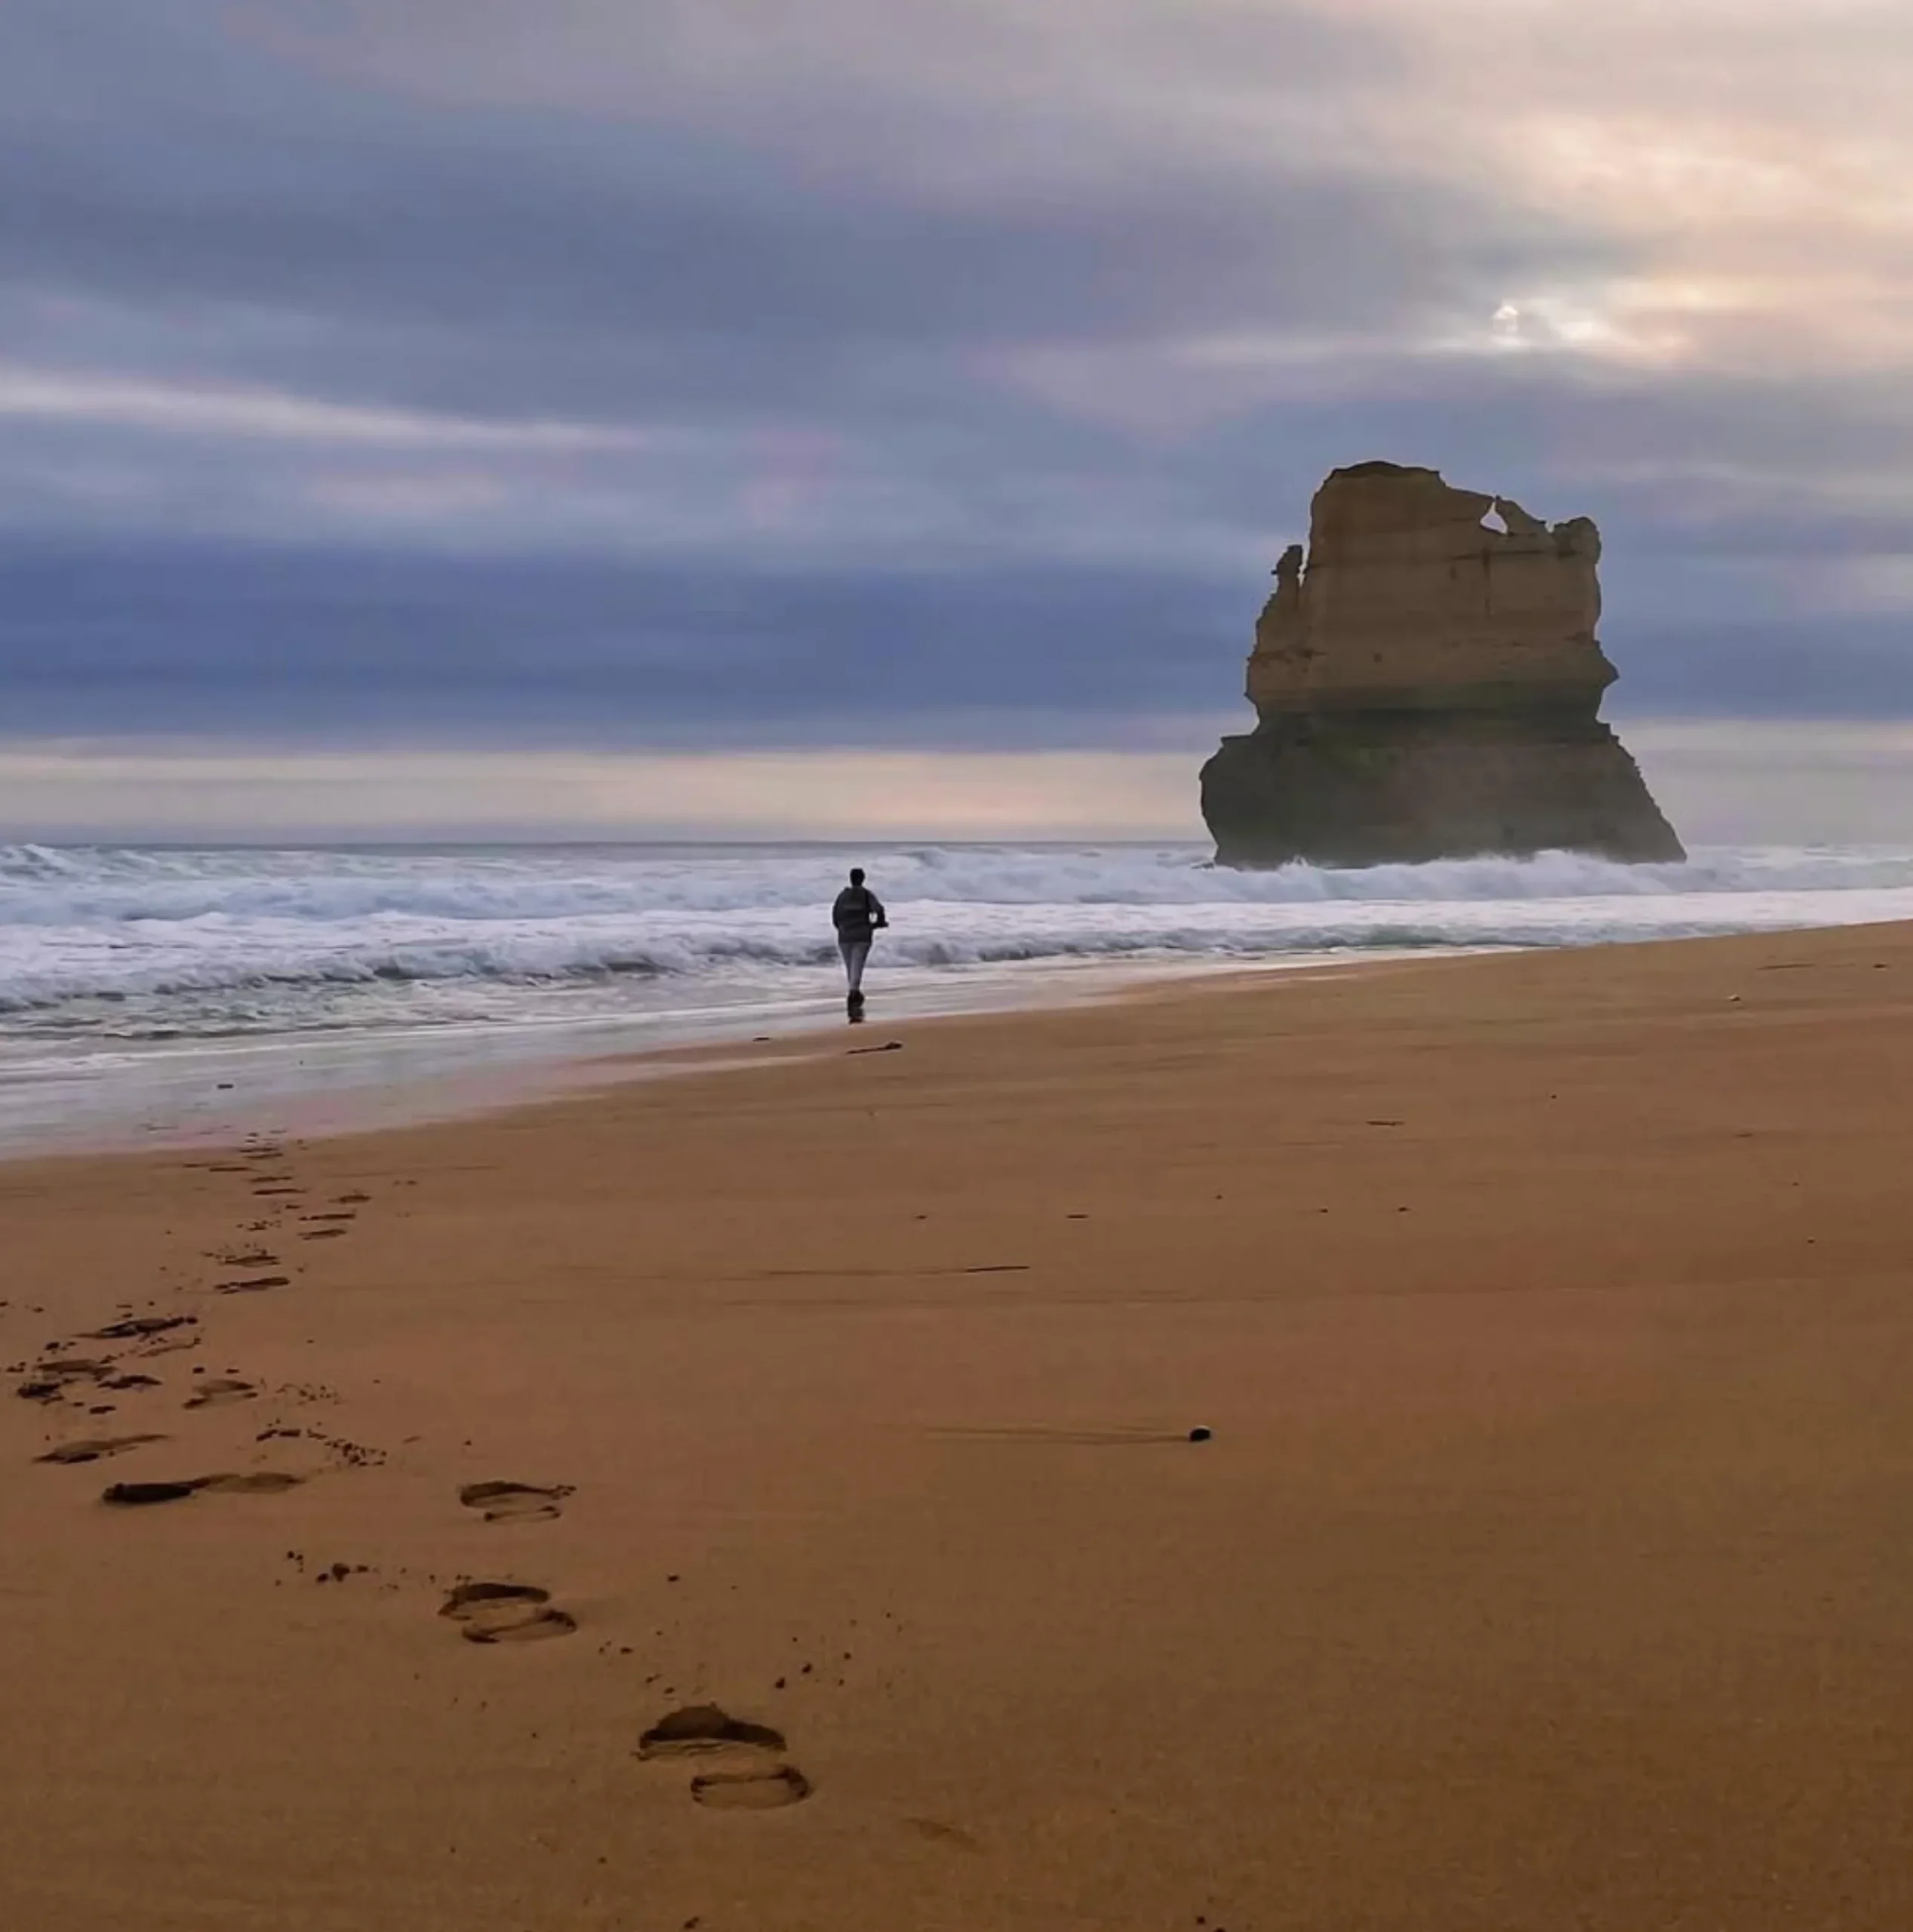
(855, 952)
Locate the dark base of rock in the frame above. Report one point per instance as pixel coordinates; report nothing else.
(1378, 789)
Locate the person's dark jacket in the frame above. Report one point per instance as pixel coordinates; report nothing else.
(857, 915)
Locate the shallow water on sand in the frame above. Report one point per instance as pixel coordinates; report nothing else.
(146, 1093)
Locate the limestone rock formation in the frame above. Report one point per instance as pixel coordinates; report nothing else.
(1428, 685)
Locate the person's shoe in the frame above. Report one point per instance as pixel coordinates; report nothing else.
(857, 1002)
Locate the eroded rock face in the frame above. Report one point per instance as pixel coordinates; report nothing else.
(1428, 685)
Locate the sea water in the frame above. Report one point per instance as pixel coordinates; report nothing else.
(121, 966)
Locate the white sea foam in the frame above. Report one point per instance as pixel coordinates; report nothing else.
(102, 943)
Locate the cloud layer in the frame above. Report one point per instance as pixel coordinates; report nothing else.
(919, 374)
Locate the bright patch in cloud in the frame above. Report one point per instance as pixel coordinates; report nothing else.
(273, 416)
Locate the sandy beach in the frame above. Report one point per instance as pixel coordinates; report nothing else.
(1547, 1567)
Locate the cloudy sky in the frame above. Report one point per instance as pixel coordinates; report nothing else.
(726, 415)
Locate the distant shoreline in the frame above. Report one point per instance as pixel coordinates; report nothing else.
(150, 996)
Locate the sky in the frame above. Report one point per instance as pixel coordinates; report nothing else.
(460, 417)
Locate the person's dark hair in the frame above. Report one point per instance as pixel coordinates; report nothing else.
(856, 875)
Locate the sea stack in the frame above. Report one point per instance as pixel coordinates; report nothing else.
(1427, 685)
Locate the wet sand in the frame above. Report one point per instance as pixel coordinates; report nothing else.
(1547, 1565)
(62, 1097)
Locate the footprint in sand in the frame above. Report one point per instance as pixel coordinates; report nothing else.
(259, 1482)
(516, 1501)
(96, 1450)
(132, 1327)
(751, 1791)
(169, 1344)
(321, 1234)
(254, 1284)
(49, 1381)
(747, 1771)
(505, 1613)
(218, 1390)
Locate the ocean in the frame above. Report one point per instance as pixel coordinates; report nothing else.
(128, 973)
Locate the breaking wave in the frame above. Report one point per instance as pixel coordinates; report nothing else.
(45, 885)
(120, 940)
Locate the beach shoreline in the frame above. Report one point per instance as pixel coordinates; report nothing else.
(1415, 1449)
(169, 995)
(201, 1092)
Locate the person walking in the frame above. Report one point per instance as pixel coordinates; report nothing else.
(858, 916)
